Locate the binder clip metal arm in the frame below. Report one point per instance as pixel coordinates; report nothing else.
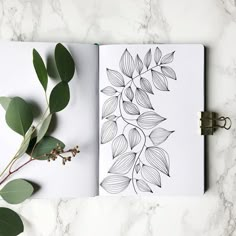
(209, 122)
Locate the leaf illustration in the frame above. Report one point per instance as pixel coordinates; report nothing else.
(40, 69)
(137, 168)
(159, 135)
(151, 175)
(109, 106)
(119, 145)
(127, 64)
(143, 99)
(146, 85)
(111, 117)
(10, 223)
(168, 72)
(5, 101)
(134, 138)
(115, 78)
(157, 55)
(129, 93)
(16, 191)
(143, 186)
(109, 131)
(158, 158)
(19, 116)
(168, 58)
(130, 108)
(138, 64)
(110, 91)
(115, 183)
(148, 58)
(159, 81)
(149, 120)
(123, 164)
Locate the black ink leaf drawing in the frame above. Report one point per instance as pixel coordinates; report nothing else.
(123, 164)
(148, 58)
(146, 85)
(143, 99)
(149, 120)
(115, 183)
(159, 135)
(157, 55)
(109, 91)
(158, 158)
(111, 117)
(130, 108)
(159, 81)
(137, 168)
(151, 175)
(119, 145)
(127, 64)
(137, 164)
(138, 64)
(109, 131)
(129, 93)
(168, 72)
(143, 186)
(115, 78)
(134, 138)
(168, 58)
(109, 106)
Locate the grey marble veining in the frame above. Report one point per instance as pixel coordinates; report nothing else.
(211, 22)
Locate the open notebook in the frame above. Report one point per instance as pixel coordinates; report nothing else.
(133, 112)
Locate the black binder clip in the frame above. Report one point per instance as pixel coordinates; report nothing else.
(209, 122)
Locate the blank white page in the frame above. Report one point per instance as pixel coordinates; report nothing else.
(75, 125)
(149, 138)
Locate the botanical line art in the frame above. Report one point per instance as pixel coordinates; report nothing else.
(130, 122)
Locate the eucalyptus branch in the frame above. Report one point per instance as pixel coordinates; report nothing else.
(57, 152)
(25, 140)
(39, 146)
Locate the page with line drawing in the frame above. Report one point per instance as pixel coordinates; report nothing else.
(150, 96)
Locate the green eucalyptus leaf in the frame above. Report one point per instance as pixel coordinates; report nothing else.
(10, 223)
(45, 146)
(25, 143)
(40, 69)
(44, 127)
(4, 101)
(64, 62)
(59, 97)
(19, 116)
(16, 191)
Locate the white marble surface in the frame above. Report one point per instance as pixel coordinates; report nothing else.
(211, 22)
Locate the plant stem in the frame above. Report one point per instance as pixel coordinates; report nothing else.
(145, 71)
(11, 172)
(8, 165)
(128, 123)
(23, 142)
